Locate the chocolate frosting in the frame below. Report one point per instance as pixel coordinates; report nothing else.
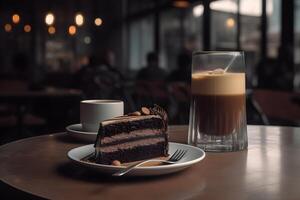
(157, 110)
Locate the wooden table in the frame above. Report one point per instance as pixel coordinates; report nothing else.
(268, 170)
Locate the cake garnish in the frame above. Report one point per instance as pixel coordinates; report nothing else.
(157, 110)
(145, 111)
(116, 163)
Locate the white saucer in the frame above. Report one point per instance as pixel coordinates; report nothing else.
(75, 130)
(193, 156)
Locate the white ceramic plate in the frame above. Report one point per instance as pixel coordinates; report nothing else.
(193, 156)
(75, 130)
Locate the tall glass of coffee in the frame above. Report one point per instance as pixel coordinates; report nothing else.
(218, 111)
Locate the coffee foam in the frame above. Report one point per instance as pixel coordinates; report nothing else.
(210, 83)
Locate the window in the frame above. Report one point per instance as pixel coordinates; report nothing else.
(297, 32)
(193, 26)
(170, 38)
(180, 29)
(297, 45)
(141, 42)
(223, 24)
(274, 26)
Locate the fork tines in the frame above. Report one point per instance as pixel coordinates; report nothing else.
(179, 153)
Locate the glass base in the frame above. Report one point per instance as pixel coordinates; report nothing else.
(220, 147)
(221, 143)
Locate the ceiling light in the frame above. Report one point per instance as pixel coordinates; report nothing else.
(49, 19)
(79, 19)
(98, 21)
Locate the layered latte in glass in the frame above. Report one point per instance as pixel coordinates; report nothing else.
(218, 110)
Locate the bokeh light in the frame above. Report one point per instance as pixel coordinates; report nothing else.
(87, 40)
(16, 18)
(27, 28)
(98, 21)
(79, 19)
(230, 22)
(7, 27)
(72, 30)
(198, 10)
(49, 19)
(181, 3)
(51, 30)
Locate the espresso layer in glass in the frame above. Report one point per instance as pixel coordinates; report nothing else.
(219, 102)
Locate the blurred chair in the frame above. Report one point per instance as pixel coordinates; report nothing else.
(179, 93)
(255, 114)
(280, 107)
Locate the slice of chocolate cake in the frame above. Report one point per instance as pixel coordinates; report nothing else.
(137, 136)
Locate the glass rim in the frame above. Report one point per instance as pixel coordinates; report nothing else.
(199, 52)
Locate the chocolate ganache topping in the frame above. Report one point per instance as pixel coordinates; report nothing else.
(157, 110)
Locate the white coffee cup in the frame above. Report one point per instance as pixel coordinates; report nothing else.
(92, 112)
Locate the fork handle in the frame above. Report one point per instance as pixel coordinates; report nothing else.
(130, 167)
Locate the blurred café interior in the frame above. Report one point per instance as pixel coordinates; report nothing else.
(53, 54)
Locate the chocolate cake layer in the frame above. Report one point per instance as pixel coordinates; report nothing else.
(133, 140)
(134, 154)
(125, 126)
(129, 145)
(131, 136)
